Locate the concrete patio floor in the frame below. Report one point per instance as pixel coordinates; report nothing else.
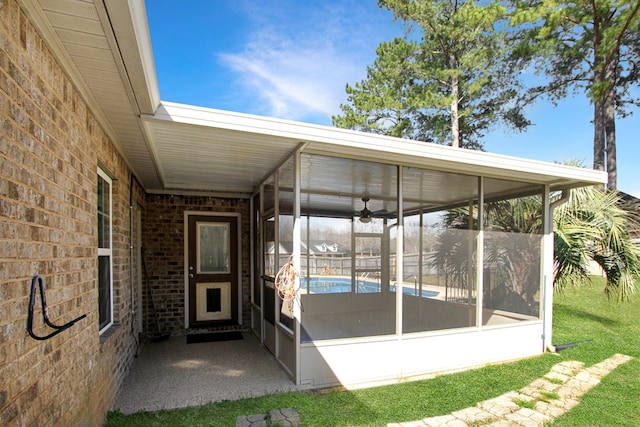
(173, 374)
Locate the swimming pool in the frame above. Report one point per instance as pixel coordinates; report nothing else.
(334, 285)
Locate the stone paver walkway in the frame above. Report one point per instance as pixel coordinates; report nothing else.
(278, 417)
(551, 396)
(541, 401)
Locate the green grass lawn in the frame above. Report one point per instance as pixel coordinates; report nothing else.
(579, 315)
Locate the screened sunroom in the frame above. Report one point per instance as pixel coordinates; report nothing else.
(401, 257)
(431, 269)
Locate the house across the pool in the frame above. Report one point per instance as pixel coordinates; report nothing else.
(352, 257)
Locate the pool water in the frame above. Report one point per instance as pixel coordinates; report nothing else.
(334, 285)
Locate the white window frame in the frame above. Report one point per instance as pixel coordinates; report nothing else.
(107, 252)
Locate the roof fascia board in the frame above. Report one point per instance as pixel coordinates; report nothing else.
(126, 30)
(329, 141)
(128, 20)
(153, 153)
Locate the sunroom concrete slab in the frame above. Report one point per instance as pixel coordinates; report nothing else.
(172, 374)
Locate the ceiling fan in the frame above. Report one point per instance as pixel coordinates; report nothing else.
(366, 215)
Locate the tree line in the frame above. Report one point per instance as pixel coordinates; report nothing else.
(464, 67)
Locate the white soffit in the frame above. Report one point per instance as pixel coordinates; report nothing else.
(92, 45)
(194, 157)
(232, 151)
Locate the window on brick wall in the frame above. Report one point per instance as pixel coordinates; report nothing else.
(105, 282)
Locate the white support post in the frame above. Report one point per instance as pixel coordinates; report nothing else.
(399, 256)
(471, 267)
(276, 257)
(480, 254)
(262, 253)
(546, 274)
(297, 240)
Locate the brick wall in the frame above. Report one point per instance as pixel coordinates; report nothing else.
(50, 146)
(163, 240)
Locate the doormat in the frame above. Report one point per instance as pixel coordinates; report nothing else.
(214, 336)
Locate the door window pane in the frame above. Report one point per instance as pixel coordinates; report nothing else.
(213, 248)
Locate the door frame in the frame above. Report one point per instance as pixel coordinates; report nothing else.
(238, 217)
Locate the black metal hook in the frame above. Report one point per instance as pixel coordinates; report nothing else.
(37, 280)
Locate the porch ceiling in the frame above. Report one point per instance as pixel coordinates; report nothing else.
(191, 157)
(205, 149)
(104, 46)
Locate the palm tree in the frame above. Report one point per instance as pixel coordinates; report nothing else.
(512, 242)
(593, 224)
(597, 225)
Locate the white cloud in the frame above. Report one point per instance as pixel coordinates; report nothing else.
(294, 82)
(300, 57)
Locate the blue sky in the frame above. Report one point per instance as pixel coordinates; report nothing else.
(292, 59)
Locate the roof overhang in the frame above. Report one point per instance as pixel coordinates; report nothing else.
(196, 147)
(105, 48)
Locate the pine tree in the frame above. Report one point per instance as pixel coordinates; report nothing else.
(445, 81)
(591, 46)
